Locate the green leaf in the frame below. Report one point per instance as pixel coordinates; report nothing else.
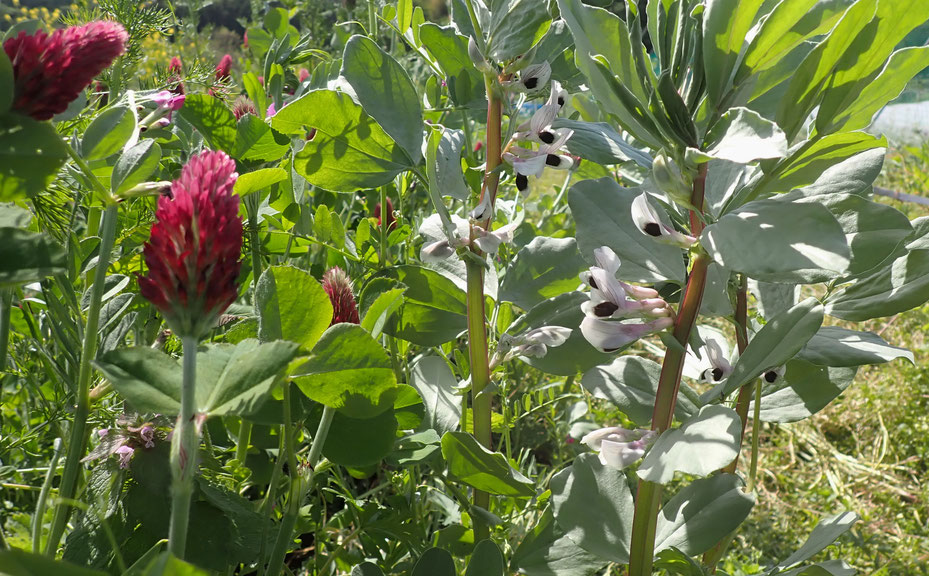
(779, 241)
(381, 309)
(899, 70)
(544, 268)
(786, 27)
(292, 305)
(435, 562)
(404, 15)
(772, 299)
(546, 551)
(515, 27)
(602, 211)
(366, 569)
(589, 486)
(449, 178)
(702, 514)
(135, 165)
(386, 93)
(230, 379)
(487, 560)
(824, 534)
(742, 135)
(828, 568)
(256, 141)
(631, 383)
(600, 143)
(598, 32)
(478, 467)
(676, 562)
(450, 51)
(434, 309)
(258, 180)
(360, 442)
(776, 343)
(725, 25)
(807, 81)
(870, 50)
(16, 562)
(576, 354)
(436, 384)
(350, 150)
(900, 286)
(108, 133)
(836, 346)
(804, 390)
(210, 116)
(707, 442)
(6, 79)
(875, 232)
(166, 564)
(31, 153)
(845, 162)
(349, 370)
(29, 256)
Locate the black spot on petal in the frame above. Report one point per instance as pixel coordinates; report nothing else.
(592, 283)
(546, 136)
(531, 83)
(652, 229)
(561, 100)
(522, 182)
(770, 376)
(553, 160)
(717, 374)
(605, 309)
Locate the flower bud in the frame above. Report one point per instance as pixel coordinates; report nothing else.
(338, 286)
(224, 67)
(388, 214)
(477, 58)
(670, 180)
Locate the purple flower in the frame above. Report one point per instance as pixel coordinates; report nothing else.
(147, 434)
(125, 455)
(169, 100)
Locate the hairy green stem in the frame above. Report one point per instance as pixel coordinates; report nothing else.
(6, 308)
(299, 484)
(43, 499)
(184, 452)
(251, 206)
(648, 499)
(77, 443)
(383, 228)
(756, 426)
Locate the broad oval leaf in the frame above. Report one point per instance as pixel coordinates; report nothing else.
(705, 443)
(213, 119)
(601, 143)
(901, 286)
(435, 562)
(31, 153)
(359, 442)
(776, 343)
(258, 180)
(543, 269)
(804, 390)
(837, 346)
(594, 507)
(515, 27)
(29, 256)
(702, 514)
(108, 133)
(779, 242)
(602, 211)
(348, 370)
(386, 93)
(436, 384)
(487, 560)
(349, 151)
(291, 306)
(742, 136)
(631, 384)
(434, 309)
(478, 467)
(135, 165)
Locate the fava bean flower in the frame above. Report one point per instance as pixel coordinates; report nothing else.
(193, 252)
(338, 286)
(51, 70)
(619, 447)
(649, 222)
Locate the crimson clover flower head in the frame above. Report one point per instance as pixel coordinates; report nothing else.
(175, 67)
(193, 253)
(223, 68)
(51, 70)
(389, 214)
(338, 286)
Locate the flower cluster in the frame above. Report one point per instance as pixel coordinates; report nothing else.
(51, 70)
(193, 253)
(129, 434)
(338, 286)
(612, 302)
(538, 129)
(531, 344)
(619, 447)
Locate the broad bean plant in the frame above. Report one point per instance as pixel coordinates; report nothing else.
(302, 313)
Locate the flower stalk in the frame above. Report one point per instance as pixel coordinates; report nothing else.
(6, 308)
(77, 443)
(648, 500)
(184, 452)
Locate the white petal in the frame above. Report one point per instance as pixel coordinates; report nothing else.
(543, 118)
(607, 259)
(618, 455)
(609, 336)
(436, 252)
(534, 166)
(561, 138)
(642, 212)
(540, 72)
(557, 93)
(595, 438)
